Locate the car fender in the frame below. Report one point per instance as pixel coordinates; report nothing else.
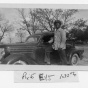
(72, 51)
(14, 57)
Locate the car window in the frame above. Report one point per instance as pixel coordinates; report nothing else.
(33, 39)
(46, 39)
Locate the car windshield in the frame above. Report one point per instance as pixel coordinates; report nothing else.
(32, 39)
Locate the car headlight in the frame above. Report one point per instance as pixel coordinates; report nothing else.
(2, 52)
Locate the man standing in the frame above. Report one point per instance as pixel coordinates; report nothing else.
(60, 41)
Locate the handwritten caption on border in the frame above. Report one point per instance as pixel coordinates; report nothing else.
(45, 76)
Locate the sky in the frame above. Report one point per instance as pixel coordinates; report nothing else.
(12, 15)
(82, 14)
(9, 13)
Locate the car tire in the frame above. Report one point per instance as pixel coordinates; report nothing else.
(17, 62)
(74, 59)
(21, 61)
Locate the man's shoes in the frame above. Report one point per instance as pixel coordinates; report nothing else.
(47, 63)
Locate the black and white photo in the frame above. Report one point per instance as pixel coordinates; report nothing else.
(44, 36)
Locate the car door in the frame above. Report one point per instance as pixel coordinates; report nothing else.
(46, 47)
(40, 53)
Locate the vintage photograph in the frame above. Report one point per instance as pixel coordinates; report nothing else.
(44, 36)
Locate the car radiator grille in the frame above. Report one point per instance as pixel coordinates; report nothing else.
(21, 49)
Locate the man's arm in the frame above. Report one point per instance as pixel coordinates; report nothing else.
(51, 40)
(63, 38)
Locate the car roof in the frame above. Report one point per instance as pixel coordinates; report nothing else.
(43, 33)
(39, 34)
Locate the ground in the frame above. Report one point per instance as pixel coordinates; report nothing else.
(84, 61)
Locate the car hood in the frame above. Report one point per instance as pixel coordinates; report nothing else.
(18, 44)
(19, 47)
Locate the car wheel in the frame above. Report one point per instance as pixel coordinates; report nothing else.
(19, 62)
(74, 59)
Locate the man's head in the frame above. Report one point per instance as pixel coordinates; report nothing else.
(57, 24)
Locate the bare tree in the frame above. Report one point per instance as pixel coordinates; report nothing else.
(20, 34)
(9, 32)
(28, 21)
(67, 18)
(43, 19)
(47, 16)
(5, 27)
(33, 22)
(10, 38)
(24, 22)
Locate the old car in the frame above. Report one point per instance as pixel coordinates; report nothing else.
(36, 49)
